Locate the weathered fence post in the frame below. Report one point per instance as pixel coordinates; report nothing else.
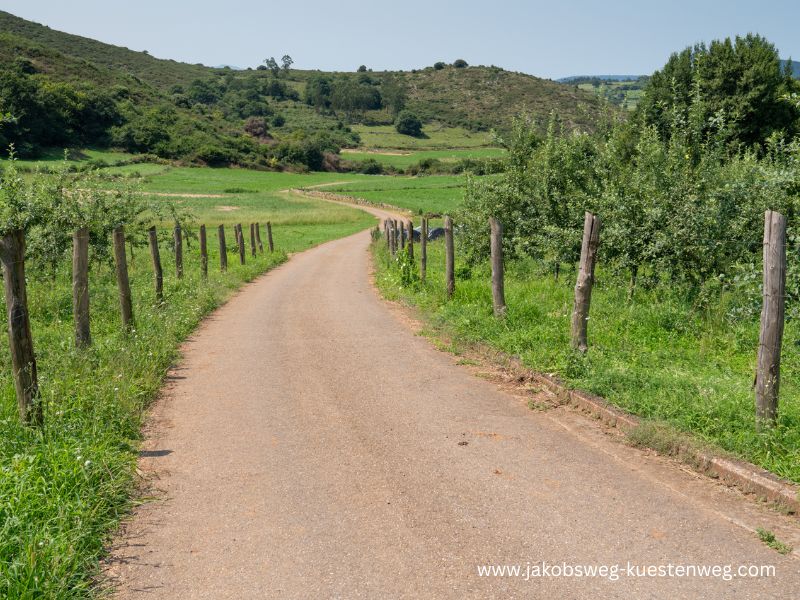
(411, 240)
(203, 252)
(223, 249)
(178, 251)
(772, 312)
(258, 238)
(423, 249)
(449, 260)
(392, 238)
(158, 273)
(80, 287)
(402, 234)
(583, 286)
(498, 285)
(386, 234)
(123, 283)
(240, 243)
(253, 240)
(23, 360)
(269, 237)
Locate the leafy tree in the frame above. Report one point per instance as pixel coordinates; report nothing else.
(362, 69)
(439, 65)
(286, 63)
(460, 63)
(273, 66)
(318, 91)
(408, 123)
(394, 93)
(740, 81)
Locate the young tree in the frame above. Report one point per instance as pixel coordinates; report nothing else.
(272, 65)
(408, 123)
(286, 63)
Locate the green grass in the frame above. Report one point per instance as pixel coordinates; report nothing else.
(401, 159)
(53, 156)
(770, 540)
(438, 137)
(656, 356)
(64, 488)
(435, 193)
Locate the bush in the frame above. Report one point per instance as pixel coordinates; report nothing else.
(439, 65)
(460, 64)
(370, 167)
(408, 123)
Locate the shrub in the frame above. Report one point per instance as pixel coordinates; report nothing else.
(439, 65)
(408, 123)
(460, 63)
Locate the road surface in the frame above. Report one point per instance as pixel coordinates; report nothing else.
(311, 445)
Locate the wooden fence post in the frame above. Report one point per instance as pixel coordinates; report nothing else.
(253, 240)
(269, 237)
(203, 252)
(123, 283)
(498, 285)
(772, 316)
(223, 249)
(411, 239)
(386, 233)
(258, 238)
(583, 286)
(240, 243)
(80, 287)
(178, 251)
(23, 360)
(392, 238)
(449, 261)
(158, 273)
(423, 249)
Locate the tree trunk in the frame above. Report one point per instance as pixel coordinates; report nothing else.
(583, 286)
(23, 360)
(203, 252)
(123, 283)
(498, 285)
(80, 287)
(178, 251)
(223, 249)
(158, 273)
(423, 249)
(772, 317)
(449, 264)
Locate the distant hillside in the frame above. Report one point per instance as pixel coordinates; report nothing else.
(795, 67)
(116, 96)
(580, 78)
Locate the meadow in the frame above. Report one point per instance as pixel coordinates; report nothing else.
(436, 137)
(65, 487)
(404, 159)
(432, 194)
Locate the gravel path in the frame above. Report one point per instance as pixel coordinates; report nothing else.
(310, 445)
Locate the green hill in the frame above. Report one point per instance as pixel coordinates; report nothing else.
(108, 96)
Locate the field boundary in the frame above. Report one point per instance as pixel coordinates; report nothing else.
(355, 200)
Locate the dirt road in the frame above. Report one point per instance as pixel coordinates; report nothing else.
(310, 445)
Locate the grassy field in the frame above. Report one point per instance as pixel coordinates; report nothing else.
(74, 157)
(64, 488)
(435, 193)
(437, 137)
(617, 92)
(656, 356)
(403, 159)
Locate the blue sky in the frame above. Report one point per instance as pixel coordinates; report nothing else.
(549, 39)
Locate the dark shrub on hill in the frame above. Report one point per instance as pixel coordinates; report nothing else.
(256, 126)
(370, 167)
(460, 63)
(408, 123)
(439, 65)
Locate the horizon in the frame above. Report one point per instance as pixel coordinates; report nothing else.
(592, 50)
